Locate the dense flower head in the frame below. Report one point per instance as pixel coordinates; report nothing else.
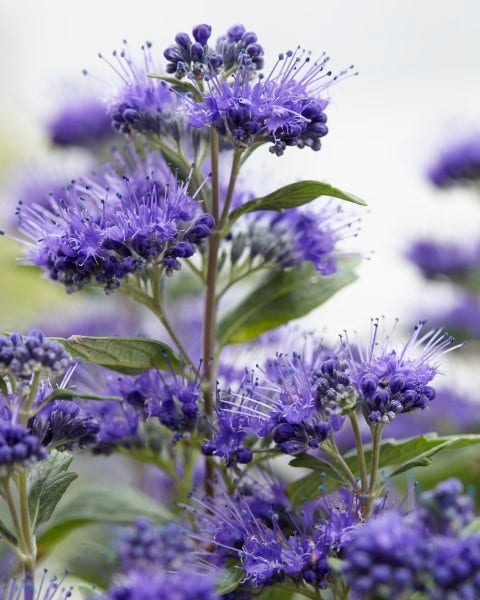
(461, 315)
(238, 46)
(455, 568)
(390, 381)
(142, 104)
(194, 58)
(119, 424)
(283, 108)
(450, 259)
(275, 544)
(112, 225)
(173, 399)
(64, 425)
(457, 164)
(24, 356)
(83, 122)
(445, 510)
(287, 240)
(19, 448)
(385, 558)
(151, 546)
(181, 585)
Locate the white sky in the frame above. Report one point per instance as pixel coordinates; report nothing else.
(419, 86)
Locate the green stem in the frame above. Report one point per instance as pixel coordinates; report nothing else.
(331, 449)
(377, 431)
(361, 454)
(237, 156)
(238, 278)
(30, 549)
(26, 408)
(12, 509)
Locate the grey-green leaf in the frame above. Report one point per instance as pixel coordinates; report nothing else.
(101, 504)
(128, 355)
(47, 483)
(281, 297)
(178, 85)
(230, 580)
(68, 394)
(291, 196)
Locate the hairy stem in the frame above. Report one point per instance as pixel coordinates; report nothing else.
(377, 431)
(330, 448)
(237, 156)
(28, 535)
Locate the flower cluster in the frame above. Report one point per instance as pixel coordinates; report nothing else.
(459, 164)
(435, 259)
(23, 356)
(80, 123)
(287, 240)
(112, 225)
(18, 448)
(394, 554)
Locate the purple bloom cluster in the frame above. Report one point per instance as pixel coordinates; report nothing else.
(181, 585)
(65, 426)
(392, 382)
(276, 544)
(80, 123)
(435, 259)
(394, 555)
(143, 104)
(112, 225)
(119, 424)
(23, 356)
(19, 448)
(48, 589)
(462, 316)
(150, 546)
(173, 399)
(459, 164)
(288, 239)
(283, 108)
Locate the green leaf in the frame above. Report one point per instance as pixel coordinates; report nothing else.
(48, 481)
(291, 196)
(472, 528)
(230, 580)
(178, 85)
(335, 563)
(101, 504)
(128, 355)
(281, 297)
(64, 394)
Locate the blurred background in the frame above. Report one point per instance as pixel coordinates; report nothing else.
(417, 91)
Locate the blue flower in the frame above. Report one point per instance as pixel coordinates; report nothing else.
(451, 259)
(19, 448)
(112, 225)
(49, 589)
(455, 568)
(80, 123)
(391, 382)
(458, 164)
(284, 108)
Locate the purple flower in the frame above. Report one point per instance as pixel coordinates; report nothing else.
(194, 59)
(48, 589)
(391, 382)
(445, 510)
(150, 546)
(119, 424)
(458, 164)
(23, 356)
(435, 259)
(455, 568)
(284, 108)
(82, 122)
(287, 240)
(113, 225)
(386, 558)
(65, 426)
(461, 316)
(181, 585)
(19, 448)
(238, 46)
(143, 104)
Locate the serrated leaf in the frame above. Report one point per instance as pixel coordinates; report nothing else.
(291, 196)
(128, 355)
(179, 85)
(48, 481)
(101, 504)
(280, 298)
(231, 578)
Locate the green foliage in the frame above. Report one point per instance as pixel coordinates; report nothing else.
(396, 456)
(47, 483)
(64, 394)
(128, 355)
(281, 297)
(101, 504)
(291, 196)
(230, 580)
(178, 85)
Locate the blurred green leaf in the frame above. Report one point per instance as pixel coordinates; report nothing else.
(280, 298)
(291, 196)
(101, 504)
(182, 86)
(128, 355)
(230, 580)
